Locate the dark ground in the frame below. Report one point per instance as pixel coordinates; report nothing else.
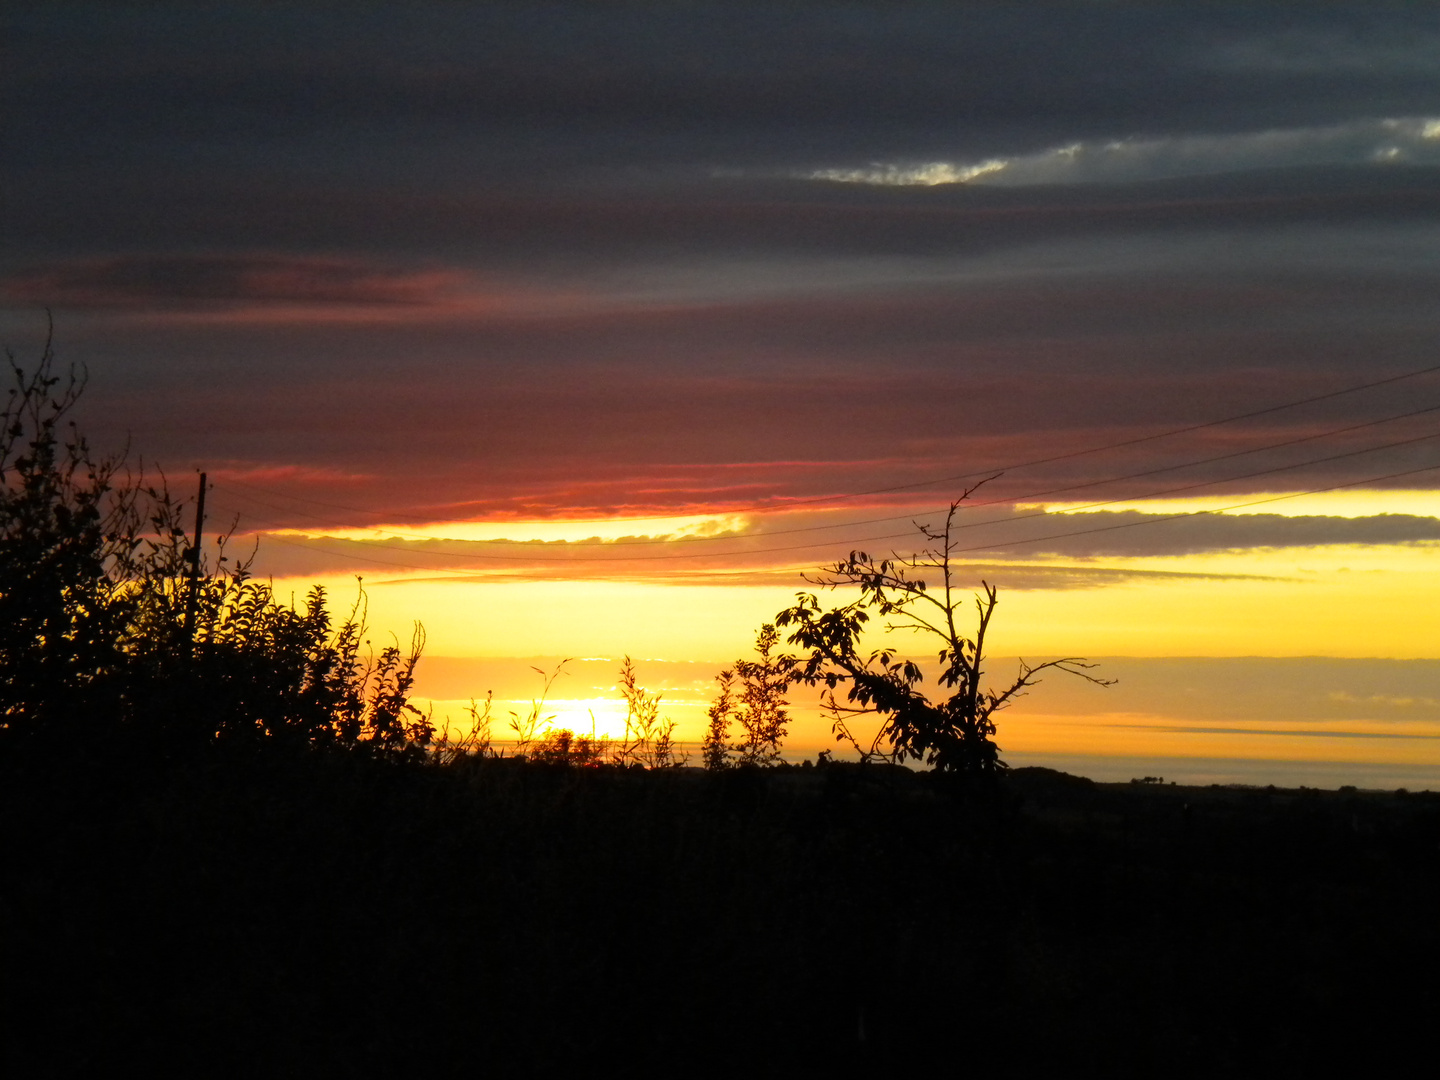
(336, 917)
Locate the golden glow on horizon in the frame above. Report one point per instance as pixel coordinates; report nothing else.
(564, 618)
(1135, 735)
(1350, 504)
(1330, 601)
(804, 528)
(1350, 601)
(1104, 734)
(809, 730)
(1325, 601)
(545, 531)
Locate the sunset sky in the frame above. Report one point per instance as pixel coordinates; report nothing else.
(581, 330)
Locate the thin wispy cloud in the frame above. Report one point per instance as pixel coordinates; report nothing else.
(1130, 159)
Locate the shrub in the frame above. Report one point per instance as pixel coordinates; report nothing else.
(111, 624)
(534, 725)
(67, 537)
(448, 746)
(951, 733)
(759, 708)
(715, 750)
(561, 746)
(649, 740)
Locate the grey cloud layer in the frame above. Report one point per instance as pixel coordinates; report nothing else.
(583, 72)
(1130, 533)
(524, 255)
(1007, 535)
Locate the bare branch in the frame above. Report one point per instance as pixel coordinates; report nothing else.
(951, 733)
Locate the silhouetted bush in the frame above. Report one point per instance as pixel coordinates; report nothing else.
(111, 625)
(448, 745)
(649, 738)
(752, 693)
(953, 732)
(561, 746)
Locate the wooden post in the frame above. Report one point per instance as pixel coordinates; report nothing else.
(194, 556)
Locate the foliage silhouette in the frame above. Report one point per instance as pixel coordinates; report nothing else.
(448, 746)
(561, 746)
(953, 733)
(269, 671)
(94, 634)
(66, 542)
(534, 725)
(758, 705)
(715, 749)
(649, 739)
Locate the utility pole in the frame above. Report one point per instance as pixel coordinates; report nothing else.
(193, 555)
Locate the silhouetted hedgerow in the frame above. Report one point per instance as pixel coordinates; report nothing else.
(111, 624)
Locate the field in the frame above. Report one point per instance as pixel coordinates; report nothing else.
(332, 915)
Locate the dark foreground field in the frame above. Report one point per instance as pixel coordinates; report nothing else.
(336, 917)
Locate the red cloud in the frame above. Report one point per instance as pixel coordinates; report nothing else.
(207, 280)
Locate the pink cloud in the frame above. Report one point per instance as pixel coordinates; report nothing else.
(141, 281)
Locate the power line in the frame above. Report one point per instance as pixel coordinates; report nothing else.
(969, 505)
(889, 536)
(1137, 441)
(1196, 513)
(461, 574)
(771, 507)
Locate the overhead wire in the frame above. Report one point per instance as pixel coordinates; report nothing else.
(449, 574)
(1010, 500)
(772, 507)
(1196, 513)
(577, 559)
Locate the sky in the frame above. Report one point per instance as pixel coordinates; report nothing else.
(581, 331)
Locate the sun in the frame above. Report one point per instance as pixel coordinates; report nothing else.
(601, 718)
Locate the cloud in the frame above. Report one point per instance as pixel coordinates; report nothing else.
(299, 475)
(755, 551)
(663, 224)
(1307, 692)
(1133, 534)
(188, 280)
(1288, 732)
(1412, 140)
(1384, 701)
(931, 175)
(1318, 50)
(556, 84)
(465, 428)
(492, 265)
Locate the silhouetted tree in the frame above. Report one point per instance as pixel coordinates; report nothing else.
(950, 733)
(715, 749)
(67, 536)
(93, 627)
(759, 708)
